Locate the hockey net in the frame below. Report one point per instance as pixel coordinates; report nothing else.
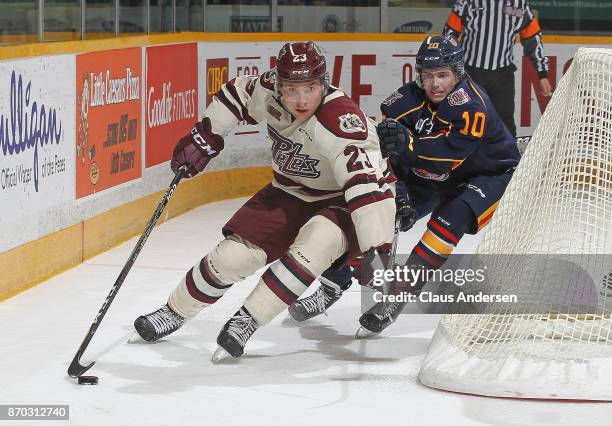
(559, 202)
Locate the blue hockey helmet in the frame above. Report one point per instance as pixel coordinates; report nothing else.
(438, 52)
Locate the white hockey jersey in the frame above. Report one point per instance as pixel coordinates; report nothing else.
(334, 152)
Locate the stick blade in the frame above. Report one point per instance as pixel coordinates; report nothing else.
(76, 369)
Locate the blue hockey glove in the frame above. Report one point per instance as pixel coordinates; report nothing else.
(395, 138)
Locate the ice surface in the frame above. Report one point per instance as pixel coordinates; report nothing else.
(309, 374)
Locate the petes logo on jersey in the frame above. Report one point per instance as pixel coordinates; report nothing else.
(458, 97)
(392, 98)
(286, 155)
(351, 123)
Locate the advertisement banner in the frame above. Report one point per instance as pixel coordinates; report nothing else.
(172, 98)
(370, 71)
(108, 87)
(366, 71)
(36, 154)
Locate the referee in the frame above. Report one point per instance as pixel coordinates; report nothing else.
(488, 29)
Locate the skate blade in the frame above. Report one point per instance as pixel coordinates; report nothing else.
(135, 339)
(364, 333)
(295, 317)
(221, 355)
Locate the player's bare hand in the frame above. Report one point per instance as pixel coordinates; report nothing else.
(545, 87)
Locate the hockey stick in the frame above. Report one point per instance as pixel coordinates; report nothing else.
(76, 369)
(393, 251)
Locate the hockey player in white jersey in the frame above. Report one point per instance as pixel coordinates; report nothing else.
(329, 200)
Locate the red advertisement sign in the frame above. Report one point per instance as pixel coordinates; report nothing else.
(171, 98)
(108, 119)
(217, 71)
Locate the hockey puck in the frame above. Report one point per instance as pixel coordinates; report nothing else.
(88, 380)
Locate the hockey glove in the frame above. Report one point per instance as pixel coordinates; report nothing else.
(395, 138)
(196, 149)
(406, 213)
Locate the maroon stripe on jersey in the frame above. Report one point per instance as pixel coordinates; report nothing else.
(442, 232)
(360, 179)
(285, 181)
(278, 288)
(195, 292)
(212, 281)
(250, 87)
(427, 256)
(369, 198)
(231, 88)
(388, 179)
(388, 173)
(221, 96)
(297, 270)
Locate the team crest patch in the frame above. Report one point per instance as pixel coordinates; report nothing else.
(351, 123)
(269, 76)
(392, 98)
(458, 97)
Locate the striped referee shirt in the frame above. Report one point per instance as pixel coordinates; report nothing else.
(488, 29)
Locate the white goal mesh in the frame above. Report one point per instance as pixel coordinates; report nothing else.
(559, 202)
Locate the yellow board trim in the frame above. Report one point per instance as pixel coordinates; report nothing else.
(560, 39)
(25, 266)
(110, 43)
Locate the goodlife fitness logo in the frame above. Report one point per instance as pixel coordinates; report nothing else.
(169, 105)
(217, 72)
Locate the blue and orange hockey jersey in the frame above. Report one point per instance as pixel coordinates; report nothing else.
(462, 136)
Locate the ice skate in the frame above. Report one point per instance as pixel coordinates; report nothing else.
(378, 317)
(157, 324)
(316, 304)
(234, 335)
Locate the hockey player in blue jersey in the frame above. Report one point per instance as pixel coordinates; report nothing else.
(453, 157)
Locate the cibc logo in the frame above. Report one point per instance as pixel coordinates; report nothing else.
(217, 71)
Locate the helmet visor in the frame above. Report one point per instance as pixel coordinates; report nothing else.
(305, 91)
